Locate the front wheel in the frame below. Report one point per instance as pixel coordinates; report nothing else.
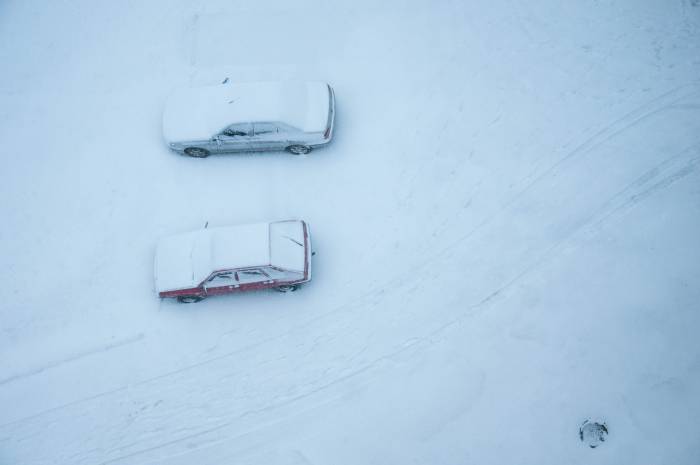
(287, 288)
(299, 149)
(197, 152)
(189, 299)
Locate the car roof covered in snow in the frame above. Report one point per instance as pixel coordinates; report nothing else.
(185, 260)
(199, 113)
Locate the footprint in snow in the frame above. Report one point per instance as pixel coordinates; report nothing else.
(593, 433)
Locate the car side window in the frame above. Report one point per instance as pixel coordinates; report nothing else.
(223, 278)
(239, 129)
(251, 276)
(261, 129)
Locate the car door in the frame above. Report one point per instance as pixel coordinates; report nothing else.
(267, 136)
(236, 138)
(221, 282)
(292, 135)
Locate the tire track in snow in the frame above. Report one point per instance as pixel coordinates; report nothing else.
(661, 103)
(664, 102)
(670, 99)
(606, 214)
(72, 358)
(635, 197)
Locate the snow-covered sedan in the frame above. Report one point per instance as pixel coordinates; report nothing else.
(249, 117)
(213, 261)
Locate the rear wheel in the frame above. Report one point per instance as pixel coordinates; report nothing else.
(197, 152)
(299, 149)
(287, 288)
(189, 299)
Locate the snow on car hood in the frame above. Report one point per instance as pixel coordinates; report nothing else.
(193, 114)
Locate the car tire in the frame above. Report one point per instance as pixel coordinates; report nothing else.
(287, 288)
(197, 152)
(298, 149)
(189, 299)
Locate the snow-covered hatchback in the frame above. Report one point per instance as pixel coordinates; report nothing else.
(214, 261)
(249, 117)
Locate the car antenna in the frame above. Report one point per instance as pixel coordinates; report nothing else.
(206, 224)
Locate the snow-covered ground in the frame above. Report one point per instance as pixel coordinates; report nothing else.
(506, 228)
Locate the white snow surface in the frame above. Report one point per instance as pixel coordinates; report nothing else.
(199, 113)
(506, 227)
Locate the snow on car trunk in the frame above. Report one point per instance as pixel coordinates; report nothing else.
(182, 261)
